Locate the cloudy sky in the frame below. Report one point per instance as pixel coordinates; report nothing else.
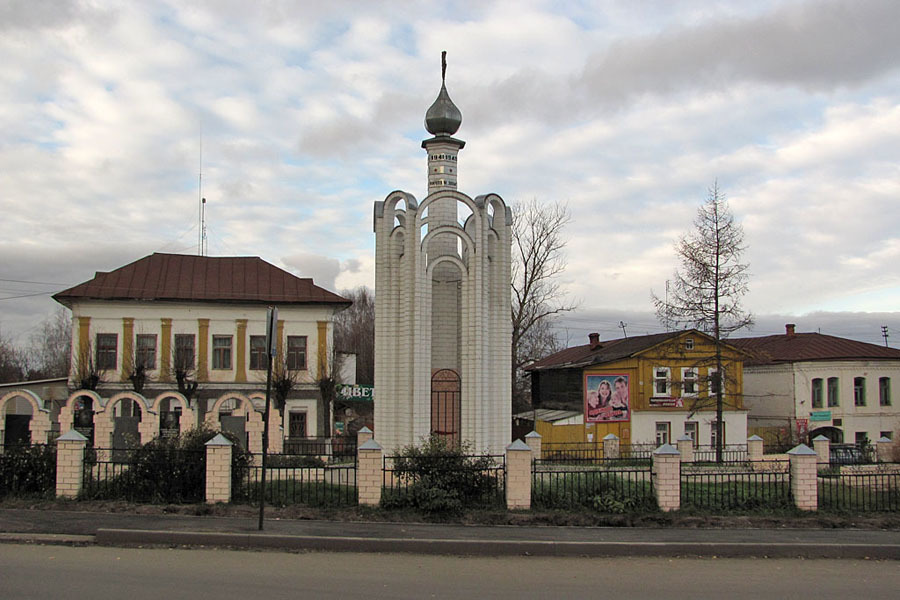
(309, 112)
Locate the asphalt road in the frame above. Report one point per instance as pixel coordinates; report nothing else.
(36, 572)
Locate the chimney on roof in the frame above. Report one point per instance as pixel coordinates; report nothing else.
(789, 329)
(594, 339)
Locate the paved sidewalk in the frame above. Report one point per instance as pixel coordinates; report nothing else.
(39, 526)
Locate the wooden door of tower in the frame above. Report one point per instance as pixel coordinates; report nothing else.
(445, 405)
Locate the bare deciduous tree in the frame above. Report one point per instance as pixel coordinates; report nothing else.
(538, 260)
(51, 346)
(706, 291)
(85, 374)
(12, 361)
(354, 331)
(184, 372)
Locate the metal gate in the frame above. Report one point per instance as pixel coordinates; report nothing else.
(236, 426)
(445, 405)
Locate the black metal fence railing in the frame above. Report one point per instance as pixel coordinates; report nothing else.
(736, 487)
(28, 470)
(864, 488)
(336, 449)
(730, 453)
(295, 479)
(175, 476)
(606, 485)
(444, 483)
(637, 451)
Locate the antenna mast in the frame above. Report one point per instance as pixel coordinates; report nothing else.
(201, 212)
(202, 244)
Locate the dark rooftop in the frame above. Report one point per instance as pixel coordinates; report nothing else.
(182, 277)
(797, 347)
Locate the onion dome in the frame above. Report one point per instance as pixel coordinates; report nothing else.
(443, 118)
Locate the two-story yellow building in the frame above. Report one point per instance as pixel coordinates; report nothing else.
(644, 389)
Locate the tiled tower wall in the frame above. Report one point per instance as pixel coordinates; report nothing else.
(415, 315)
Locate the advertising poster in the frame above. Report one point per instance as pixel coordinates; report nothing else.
(606, 398)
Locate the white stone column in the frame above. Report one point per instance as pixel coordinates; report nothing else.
(369, 473)
(666, 473)
(518, 476)
(822, 446)
(685, 446)
(218, 469)
(611, 446)
(804, 483)
(534, 441)
(70, 464)
(755, 448)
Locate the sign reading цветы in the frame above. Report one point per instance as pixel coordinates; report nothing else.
(355, 392)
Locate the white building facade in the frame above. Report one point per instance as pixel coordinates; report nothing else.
(207, 316)
(811, 384)
(442, 323)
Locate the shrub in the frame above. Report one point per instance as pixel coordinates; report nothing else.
(438, 477)
(165, 470)
(28, 471)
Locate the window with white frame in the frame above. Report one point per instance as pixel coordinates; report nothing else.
(689, 344)
(258, 358)
(221, 358)
(833, 390)
(713, 380)
(884, 391)
(713, 433)
(184, 351)
(145, 351)
(688, 381)
(663, 432)
(106, 350)
(662, 384)
(817, 393)
(692, 430)
(859, 391)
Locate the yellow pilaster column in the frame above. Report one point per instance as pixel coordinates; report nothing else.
(127, 346)
(165, 350)
(84, 339)
(202, 349)
(240, 363)
(322, 349)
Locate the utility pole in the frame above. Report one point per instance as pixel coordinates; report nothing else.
(271, 346)
(623, 325)
(884, 334)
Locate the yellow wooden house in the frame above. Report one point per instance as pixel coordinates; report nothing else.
(649, 389)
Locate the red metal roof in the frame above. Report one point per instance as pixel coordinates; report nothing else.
(182, 277)
(808, 346)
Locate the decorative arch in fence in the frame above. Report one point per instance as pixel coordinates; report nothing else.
(38, 424)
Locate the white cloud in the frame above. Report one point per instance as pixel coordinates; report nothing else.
(310, 112)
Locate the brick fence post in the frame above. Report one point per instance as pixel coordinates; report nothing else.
(822, 446)
(218, 469)
(70, 464)
(363, 435)
(754, 448)
(666, 474)
(883, 449)
(686, 448)
(804, 483)
(611, 446)
(518, 476)
(533, 440)
(369, 465)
